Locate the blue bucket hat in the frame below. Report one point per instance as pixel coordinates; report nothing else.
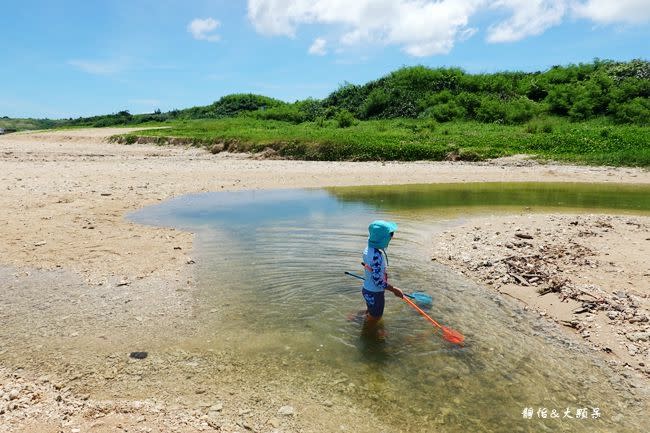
(380, 233)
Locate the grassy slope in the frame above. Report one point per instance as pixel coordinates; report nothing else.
(26, 124)
(592, 142)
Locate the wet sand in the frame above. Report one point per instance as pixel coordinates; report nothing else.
(65, 195)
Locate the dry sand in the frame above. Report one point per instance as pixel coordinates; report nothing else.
(590, 273)
(65, 194)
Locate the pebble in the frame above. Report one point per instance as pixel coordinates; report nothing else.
(286, 411)
(13, 394)
(217, 407)
(638, 336)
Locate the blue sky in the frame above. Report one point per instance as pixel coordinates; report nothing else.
(78, 58)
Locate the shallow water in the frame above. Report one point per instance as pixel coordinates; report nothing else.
(271, 278)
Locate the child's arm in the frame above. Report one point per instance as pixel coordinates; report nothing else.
(396, 291)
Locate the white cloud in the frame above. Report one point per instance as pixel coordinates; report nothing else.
(428, 27)
(420, 27)
(203, 29)
(318, 47)
(95, 67)
(529, 18)
(613, 11)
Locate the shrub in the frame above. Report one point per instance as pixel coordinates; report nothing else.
(520, 110)
(375, 104)
(636, 68)
(536, 89)
(560, 99)
(469, 102)
(284, 113)
(582, 109)
(310, 108)
(539, 125)
(491, 110)
(635, 111)
(348, 96)
(344, 119)
(430, 100)
(447, 112)
(547, 127)
(421, 79)
(231, 105)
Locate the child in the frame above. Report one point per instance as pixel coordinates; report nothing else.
(375, 263)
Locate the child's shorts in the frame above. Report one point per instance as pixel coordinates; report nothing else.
(375, 302)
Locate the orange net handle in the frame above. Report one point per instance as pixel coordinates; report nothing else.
(448, 334)
(419, 310)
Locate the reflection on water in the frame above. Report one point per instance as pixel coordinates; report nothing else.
(466, 196)
(272, 276)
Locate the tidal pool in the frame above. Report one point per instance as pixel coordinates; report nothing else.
(271, 280)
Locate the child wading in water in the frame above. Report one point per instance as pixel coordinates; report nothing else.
(375, 262)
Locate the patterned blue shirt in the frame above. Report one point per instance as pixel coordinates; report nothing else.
(375, 270)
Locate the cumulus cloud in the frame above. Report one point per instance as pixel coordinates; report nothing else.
(428, 27)
(529, 18)
(318, 47)
(618, 11)
(420, 27)
(203, 29)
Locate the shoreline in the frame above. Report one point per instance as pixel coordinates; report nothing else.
(67, 193)
(588, 273)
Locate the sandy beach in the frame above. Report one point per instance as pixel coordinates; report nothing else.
(589, 273)
(65, 195)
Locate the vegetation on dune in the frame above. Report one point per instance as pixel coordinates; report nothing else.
(596, 113)
(617, 91)
(591, 142)
(13, 125)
